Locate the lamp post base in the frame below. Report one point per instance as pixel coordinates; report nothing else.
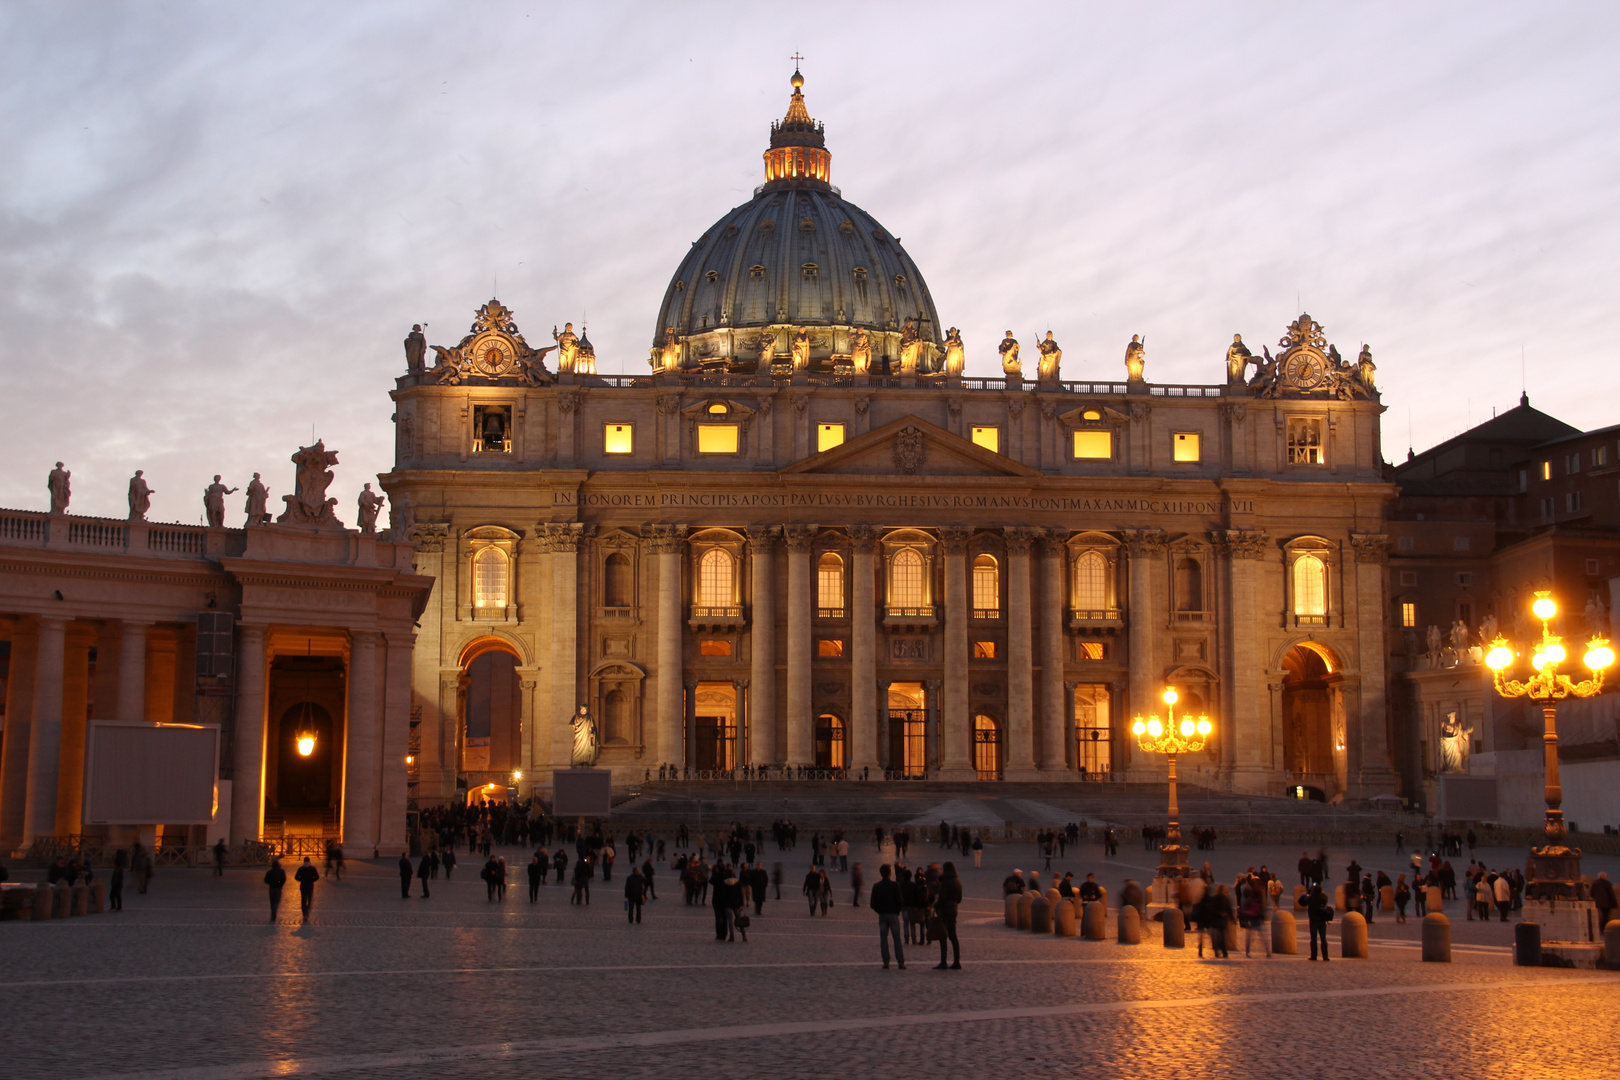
(1173, 861)
(1555, 873)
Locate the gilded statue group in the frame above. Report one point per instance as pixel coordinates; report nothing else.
(309, 506)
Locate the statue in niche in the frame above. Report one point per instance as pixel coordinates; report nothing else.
(1046, 368)
(140, 496)
(1238, 359)
(801, 350)
(311, 506)
(415, 350)
(911, 345)
(567, 348)
(587, 745)
(1433, 639)
(955, 358)
(1135, 358)
(60, 485)
(1366, 372)
(860, 351)
(1454, 744)
(370, 505)
(214, 502)
(1008, 349)
(258, 502)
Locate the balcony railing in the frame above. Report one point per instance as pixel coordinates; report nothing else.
(66, 532)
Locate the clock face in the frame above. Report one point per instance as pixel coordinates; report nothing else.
(492, 357)
(1306, 369)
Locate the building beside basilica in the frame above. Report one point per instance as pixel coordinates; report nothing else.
(804, 539)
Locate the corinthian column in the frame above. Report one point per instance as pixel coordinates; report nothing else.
(1244, 737)
(1145, 546)
(561, 541)
(666, 543)
(45, 738)
(800, 730)
(956, 755)
(1056, 720)
(1369, 769)
(863, 734)
(361, 743)
(762, 541)
(247, 747)
(1020, 763)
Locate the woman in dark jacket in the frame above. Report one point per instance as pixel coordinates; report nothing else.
(947, 898)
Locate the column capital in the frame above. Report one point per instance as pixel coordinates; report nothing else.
(1243, 543)
(1053, 542)
(1019, 538)
(799, 537)
(932, 685)
(252, 630)
(1370, 547)
(666, 539)
(864, 538)
(740, 684)
(1145, 541)
(363, 637)
(1070, 685)
(560, 536)
(691, 684)
(764, 538)
(955, 539)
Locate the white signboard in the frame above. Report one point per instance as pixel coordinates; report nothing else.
(150, 774)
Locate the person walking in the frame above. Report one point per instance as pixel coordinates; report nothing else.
(947, 897)
(720, 903)
(978, 850)
(1402, 895)
(537, 876)
(812, 889)
(888, 902)
(140, 863)
(448, 861)
(858, 880)
(275, 878)
(761, 879)
(306, 877)
(115, 888)
(491, 867)
(1252, 915)
(1503, 890)
(1319, 913)
(424, 872)
(647, 876)
(635, 892)
(220, 851)
(406, 873)
(582, 883)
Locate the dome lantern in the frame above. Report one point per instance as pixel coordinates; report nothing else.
(798, 156)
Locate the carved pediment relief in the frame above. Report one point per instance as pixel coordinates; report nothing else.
(911, 446)
(1094, 416)
(718, 410)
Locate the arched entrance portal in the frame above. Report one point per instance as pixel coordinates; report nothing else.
(986, 747)
(491, 713)
(1313, 719)
(829, 742)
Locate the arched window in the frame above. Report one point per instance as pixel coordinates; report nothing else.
(986, 588)
(908, 580)
(830, 586)
(1189, 586)
(489, 578)
(1091, 582)
(716, 579)
(829, 742)
(616, 590)
(986, 747)
(615, 718)
(1310, 587)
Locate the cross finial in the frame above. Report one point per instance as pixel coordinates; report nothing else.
(796, 58)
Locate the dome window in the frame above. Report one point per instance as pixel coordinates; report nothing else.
(757, 272)
(730, 231)
(900, 280)
(880, 236)
(810, 271)
(680, 286)
(712, 276)
(767, 226)
(847, 228)
(807, 226)
(860, 273)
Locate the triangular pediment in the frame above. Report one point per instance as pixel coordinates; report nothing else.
(910, 446)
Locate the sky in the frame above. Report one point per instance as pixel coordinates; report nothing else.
(218, 220)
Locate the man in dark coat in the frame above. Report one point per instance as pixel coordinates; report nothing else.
(424, 872)
(406, 872)
(306, 877)
(887, 901)
(635, 889)
(1320, 913)
(275, 878)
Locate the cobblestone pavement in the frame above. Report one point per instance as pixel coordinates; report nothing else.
(190, 981)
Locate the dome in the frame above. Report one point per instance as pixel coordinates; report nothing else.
(798, 256)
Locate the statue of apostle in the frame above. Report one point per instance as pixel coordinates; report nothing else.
(370, 504)
(140, 497)
(1238, 359)
(1366, 371)
(586, 745)
(860, 351)
(1135, 358)
(911, 347)
(567, 347)
(415, 350)
(59, 483)
(258, 502)
(955, 358)
(1008, 349)
(214, 502)
(1046, 368)
(801, 350)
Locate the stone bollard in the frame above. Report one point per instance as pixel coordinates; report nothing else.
(1353, 936)
(1040, 915)
(1436, 901)
(98, 897)
(1130, 925)
(1339, 898)
(61, 901)
(1386, 898)
(1299, 897)
(1175, 928)
(1094, 921)
(1012, 910)
(1025, 902)
(1063, 921)
(44, 901)
(79, 899)
(1436, 938)
(1054, 899)
(1527, 944)
(1283, 939)
(1611, 945)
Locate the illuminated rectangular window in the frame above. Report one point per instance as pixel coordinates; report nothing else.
(1094, 445)
(829, 436)
(984, 650)
(710, 647)
(717, 438)
(1184, 446)
(829, 646)
(618, 438)
(1408, 613)
(988, 437)
(1546, 470)
(1091, 650)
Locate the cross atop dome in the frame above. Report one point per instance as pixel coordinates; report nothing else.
(798, 155)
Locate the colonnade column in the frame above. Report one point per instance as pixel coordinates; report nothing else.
(247, 743)
(1056, 716)
(800, 730)
(1367, 727)
(132, 671)
(956, 754)
(1145, 547)
(863, 735)
(14, 747)
(396, 739)
(75, 733)
(762, 645)
(1020, 763)
(45, 731)
(1246, 742)
(360, 742)
(666, 543)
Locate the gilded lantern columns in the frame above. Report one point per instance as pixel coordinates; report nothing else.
(800, 724)
(666, 543)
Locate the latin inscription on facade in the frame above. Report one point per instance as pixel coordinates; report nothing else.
(742, 500)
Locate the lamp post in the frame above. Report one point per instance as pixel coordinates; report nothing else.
(1555, 869)
(1171, 738)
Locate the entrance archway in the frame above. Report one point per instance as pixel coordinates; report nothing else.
(491, 711)
(908, 730)
(1312, 713)
(986, 747)
(829, 742)
(715, 736)
(304, 781)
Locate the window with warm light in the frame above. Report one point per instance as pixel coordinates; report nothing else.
(717, 438)
(489, 578)
(713, 647)
(986, 587)
(618, 438)
(1184, 446)
(908, 580)
(1092, 650)
(984, 650)
(1546, 470)
(988, 437)
(1091, 582)
(716, 579)
(1310, 587)
(1093, 445)
(1305, 445)
(829, 436)
(1408, 613)
(830, 586)
(829, 647)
